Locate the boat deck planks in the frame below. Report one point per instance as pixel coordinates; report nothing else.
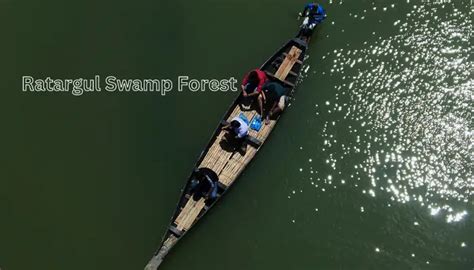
(188, 215)
(215, 158)
(288, 63)
(234, 166)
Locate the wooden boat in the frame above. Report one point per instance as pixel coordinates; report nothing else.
(284, 67)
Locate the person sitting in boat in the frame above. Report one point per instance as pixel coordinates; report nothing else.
(237, 132)
(252, 83)
(272, 100)
(314, 14)
(204, 184)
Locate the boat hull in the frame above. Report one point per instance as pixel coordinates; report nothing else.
(284, 67)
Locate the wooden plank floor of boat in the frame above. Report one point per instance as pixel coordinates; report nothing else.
(189, 214)
(288, 63)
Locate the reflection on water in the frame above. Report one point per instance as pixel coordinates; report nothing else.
(409, 115)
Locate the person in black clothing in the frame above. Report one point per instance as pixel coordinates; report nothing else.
(204, 184)
(273, 98)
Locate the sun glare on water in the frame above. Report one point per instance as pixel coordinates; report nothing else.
(405, 104)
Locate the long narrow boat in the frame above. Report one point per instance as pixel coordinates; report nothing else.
(227, 164)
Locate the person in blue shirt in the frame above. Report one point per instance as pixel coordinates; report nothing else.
(314, 14)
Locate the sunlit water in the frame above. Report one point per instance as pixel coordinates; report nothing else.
(407, 104)
(399, 125)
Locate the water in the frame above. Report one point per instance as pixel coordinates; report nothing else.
(371, 166)
(411, 96)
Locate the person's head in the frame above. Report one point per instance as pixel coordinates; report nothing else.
(314, 7)
(197, 176)
(235, 124)
(317, 7)
(253, 77)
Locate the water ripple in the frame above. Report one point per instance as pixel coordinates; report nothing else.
(408, 112)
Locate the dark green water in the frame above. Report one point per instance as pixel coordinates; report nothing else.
(370, 168)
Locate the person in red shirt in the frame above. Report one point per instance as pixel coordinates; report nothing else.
(253, 82)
